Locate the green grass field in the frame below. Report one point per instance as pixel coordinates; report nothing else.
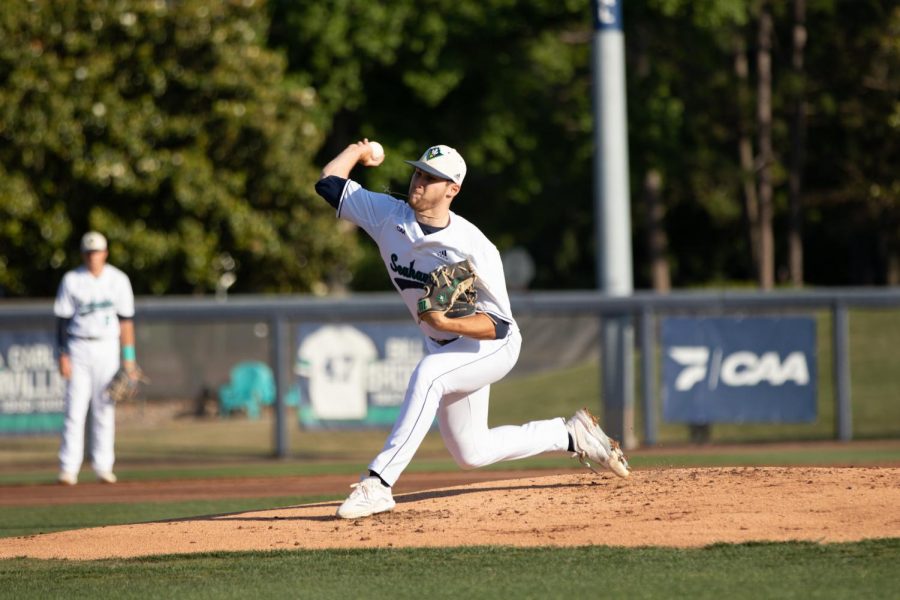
(30, 520)
(751, 571)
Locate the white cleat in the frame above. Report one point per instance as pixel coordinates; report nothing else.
(66, 478)
(107, 477)
(368, 498)
(592, 445)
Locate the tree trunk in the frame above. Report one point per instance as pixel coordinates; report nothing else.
(745, 151)
(798, 146)
(657, 240)
(764, 130)
(892, 273)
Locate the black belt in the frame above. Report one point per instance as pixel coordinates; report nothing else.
(84, 337)
(444, 342)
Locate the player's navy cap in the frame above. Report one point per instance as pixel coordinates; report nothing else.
(93, 241)
(442, 161)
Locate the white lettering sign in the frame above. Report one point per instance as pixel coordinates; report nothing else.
(741, 368)
(30, 380)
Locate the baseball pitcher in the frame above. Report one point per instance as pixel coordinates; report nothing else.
(451, 278)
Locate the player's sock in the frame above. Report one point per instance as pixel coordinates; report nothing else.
(385, 483)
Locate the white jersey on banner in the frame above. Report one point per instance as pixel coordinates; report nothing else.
(336, 359)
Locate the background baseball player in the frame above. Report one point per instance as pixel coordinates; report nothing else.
(464, 356)
(94, 308)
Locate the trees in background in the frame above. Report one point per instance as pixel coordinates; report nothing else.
(714, 88)
(171, 128)
(506, 83)
(816, 145)
(851, 179)
(180, 130)
(798, 142)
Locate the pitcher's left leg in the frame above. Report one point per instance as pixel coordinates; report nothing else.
(464, 426)
(460, 367)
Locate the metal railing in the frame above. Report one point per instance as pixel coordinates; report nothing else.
(645, 307)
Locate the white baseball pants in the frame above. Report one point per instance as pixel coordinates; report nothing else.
(94, 363)
(453, 382)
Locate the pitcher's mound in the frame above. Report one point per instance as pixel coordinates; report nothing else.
(673, 507)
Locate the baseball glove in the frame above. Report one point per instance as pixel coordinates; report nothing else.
(125, 384)
(451, 291)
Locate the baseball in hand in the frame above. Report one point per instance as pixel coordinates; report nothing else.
(377, 150)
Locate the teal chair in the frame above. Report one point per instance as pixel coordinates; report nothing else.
(252, 385)
(292, 396)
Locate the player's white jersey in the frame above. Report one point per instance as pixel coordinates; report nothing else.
(410, 256)
(94, 303)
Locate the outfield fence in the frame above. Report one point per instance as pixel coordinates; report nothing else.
(187, 344)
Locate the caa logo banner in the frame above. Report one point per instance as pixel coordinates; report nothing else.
(733, 370)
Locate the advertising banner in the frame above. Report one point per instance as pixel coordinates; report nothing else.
(354, 375)
(32, 391)
(739, 370)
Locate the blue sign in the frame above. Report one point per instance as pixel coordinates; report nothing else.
(607, 14)
(735, 370)
(355, 375)
(32, 392)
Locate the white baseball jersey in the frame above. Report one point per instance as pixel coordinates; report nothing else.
(94, 304)
(453, 380)
(410, 255)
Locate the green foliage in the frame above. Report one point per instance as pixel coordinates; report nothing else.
(854, 140)
(681, 126)
(172, 129)
(175, 129)
(509, 84)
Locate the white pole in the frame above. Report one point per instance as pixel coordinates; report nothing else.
(612, 201)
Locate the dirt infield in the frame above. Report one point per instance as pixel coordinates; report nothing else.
(655, 507)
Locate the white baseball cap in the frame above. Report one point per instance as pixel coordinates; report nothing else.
(93, 241)
(442, 161)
